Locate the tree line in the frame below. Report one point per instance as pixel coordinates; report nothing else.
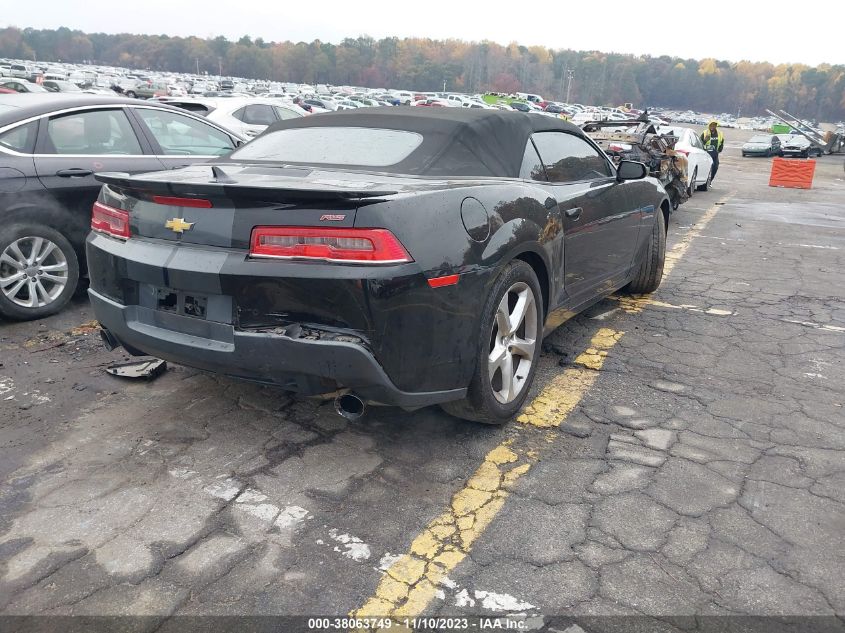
(707, 85)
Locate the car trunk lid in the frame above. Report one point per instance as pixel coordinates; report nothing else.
(218, 205)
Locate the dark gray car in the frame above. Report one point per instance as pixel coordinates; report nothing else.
(51, 145)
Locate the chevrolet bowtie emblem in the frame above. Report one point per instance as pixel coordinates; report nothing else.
(178, 225)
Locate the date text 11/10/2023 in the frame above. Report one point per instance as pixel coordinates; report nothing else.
(510, 623)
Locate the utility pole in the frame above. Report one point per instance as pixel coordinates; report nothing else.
(569, 74)
(444, 85)
(198, 65)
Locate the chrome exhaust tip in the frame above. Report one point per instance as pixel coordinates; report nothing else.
(350, 406)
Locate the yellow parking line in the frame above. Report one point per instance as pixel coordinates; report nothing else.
(412, 581)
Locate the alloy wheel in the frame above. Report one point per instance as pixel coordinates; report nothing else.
(33, 272)
(513, 342)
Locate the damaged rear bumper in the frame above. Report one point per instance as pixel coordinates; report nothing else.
(283, 358)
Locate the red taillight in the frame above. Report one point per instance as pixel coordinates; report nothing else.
(114, 222)
(373, 246)
(197, 203)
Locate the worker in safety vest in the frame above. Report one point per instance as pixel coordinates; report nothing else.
(714, 142)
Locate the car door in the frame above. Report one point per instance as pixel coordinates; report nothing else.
(73, 146)
(17, 168)
(179, 140)
(600, 225)
(256, 117)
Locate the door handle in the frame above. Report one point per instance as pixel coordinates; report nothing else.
(573, 213)
(74, 172)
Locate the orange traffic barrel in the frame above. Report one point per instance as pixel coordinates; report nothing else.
(796, 174)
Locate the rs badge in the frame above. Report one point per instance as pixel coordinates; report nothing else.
(178, 225)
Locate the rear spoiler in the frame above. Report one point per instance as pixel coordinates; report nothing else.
(222, 185)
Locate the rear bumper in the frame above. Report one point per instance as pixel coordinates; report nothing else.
(296, 364)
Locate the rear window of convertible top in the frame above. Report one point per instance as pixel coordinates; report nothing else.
(358, 146)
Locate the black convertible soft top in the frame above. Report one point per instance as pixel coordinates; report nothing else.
(456, 141)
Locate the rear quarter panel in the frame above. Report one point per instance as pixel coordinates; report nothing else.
(438, 328)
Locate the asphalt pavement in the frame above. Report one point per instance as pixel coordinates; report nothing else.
(682, 455)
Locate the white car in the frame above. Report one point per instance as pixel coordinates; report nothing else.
(585, 116)
(700, 164)
(346, 104)
(478, 104)
(404, 96)
(322, 103)
(798, 145)
(247, 116)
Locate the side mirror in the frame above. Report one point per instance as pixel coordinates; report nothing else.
(631, 170)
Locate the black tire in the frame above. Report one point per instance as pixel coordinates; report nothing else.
(707, 182)
(744, 155)
(481, 405)
(131, 94)
(692, 186)
(650, 272)
(63, 252)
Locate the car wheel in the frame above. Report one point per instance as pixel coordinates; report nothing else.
(39, 271)
(650, 271)
(508, 348)
(707, 182)
(744, 155)
(691, 186)
(131, 94)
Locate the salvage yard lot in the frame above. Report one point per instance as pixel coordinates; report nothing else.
(683, 454)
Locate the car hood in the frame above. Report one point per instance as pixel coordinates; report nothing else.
(756, 145)
(798, 142)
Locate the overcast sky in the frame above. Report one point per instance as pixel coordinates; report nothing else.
(731, 30)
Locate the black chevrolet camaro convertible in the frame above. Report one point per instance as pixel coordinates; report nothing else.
(403, 256)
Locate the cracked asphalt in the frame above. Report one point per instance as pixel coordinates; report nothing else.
(700, 471)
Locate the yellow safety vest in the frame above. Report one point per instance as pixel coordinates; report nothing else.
(720, 140)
